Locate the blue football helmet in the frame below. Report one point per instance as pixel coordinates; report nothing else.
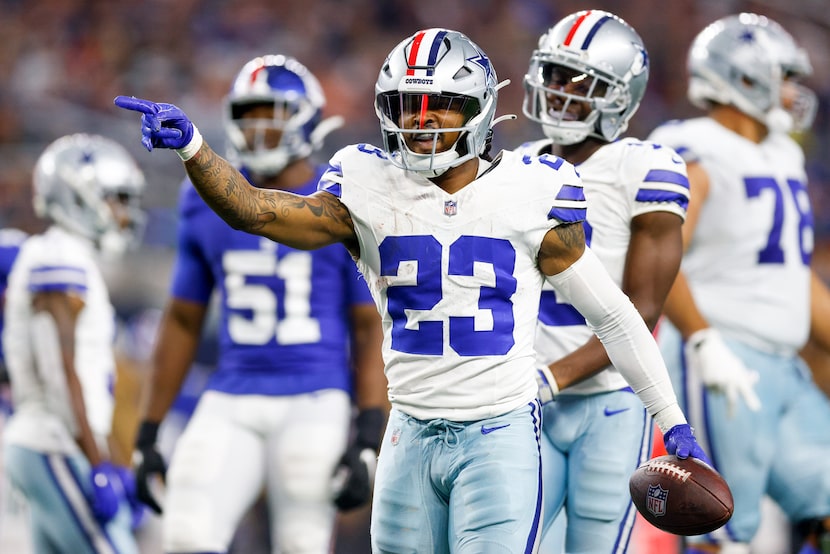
(298, 101)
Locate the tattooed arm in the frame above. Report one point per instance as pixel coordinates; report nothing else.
(304, 222)
(561, 247)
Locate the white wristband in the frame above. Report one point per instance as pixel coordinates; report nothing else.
(192, 147)
(548, 388)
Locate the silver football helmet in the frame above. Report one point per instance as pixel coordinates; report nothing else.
(76, 176)
(298, 102)
(436, 69)
(603, 61)
(744, 60)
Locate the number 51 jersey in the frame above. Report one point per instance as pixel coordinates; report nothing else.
(284, 322)
(455, 276)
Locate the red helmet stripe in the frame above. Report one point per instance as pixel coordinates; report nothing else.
(575, 27)
(413, 53)
(255, 73)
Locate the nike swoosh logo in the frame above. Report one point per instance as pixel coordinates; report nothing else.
(610, 412)
(488, 430)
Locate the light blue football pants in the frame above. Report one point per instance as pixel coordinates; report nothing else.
(447, 487)
(590, 447)
(56, 488)
(783, 450)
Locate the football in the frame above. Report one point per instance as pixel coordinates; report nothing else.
(683, 497)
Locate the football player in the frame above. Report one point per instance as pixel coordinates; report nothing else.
(455, 248)
(294, 325)
(58, 343)
(584, 83)
(740, 307)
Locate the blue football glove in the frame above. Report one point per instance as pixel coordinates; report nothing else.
(680, 441)
(105, 492)
(162, 125)
(137, 509)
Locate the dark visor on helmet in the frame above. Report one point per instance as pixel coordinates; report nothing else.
(409, 110)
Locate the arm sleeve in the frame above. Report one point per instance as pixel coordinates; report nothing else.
(631, 348)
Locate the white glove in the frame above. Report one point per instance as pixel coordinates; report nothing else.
(721, 370)
(548, 389)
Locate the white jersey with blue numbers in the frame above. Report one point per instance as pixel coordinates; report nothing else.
(754, 239)
(284, 325)
(455, 276)
(43, 419)
(622, 180)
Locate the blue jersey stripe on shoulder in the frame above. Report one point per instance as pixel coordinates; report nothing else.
(571, 192)
(330, 187)
(654, 195)
(327, 180)
(57, 278)
(567, 215)
(667, 176)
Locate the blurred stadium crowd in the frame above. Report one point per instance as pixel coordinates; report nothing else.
(63, 61)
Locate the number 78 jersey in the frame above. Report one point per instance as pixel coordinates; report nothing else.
(754, 237)
(455, 276)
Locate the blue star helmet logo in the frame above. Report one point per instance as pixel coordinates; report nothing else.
(747, 36)
(87, 157)
(484, 62)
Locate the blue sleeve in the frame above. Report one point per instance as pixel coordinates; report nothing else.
(358, 290)
(192, 276)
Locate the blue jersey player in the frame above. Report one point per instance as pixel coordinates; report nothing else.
(455, 248)
(293, 325)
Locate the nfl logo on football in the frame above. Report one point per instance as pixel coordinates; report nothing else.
(450, 207)
(656, 500)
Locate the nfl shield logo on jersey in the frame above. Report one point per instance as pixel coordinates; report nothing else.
(450, 207)
(656, 500)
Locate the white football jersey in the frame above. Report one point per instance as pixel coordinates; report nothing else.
(748, 263)
(43, 419)
(622, 180)
(455, 276)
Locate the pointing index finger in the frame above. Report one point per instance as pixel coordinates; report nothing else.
(137, 104)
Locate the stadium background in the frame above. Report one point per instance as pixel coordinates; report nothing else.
(63, 61)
